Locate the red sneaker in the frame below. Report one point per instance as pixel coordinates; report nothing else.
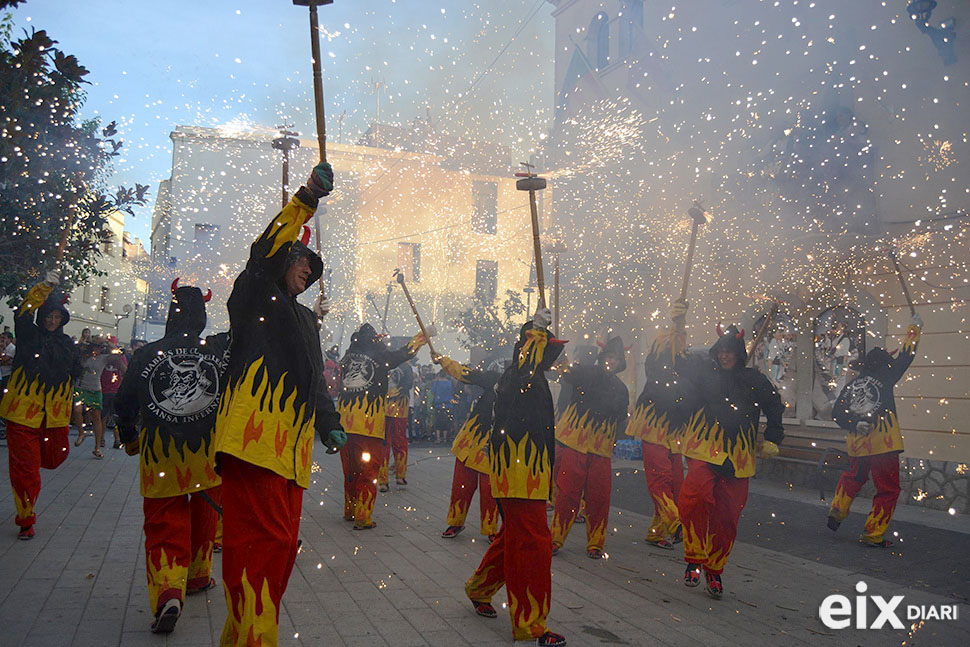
(714, 587)
(26, 533)
(484, 609)
(692, 576)
(452, 531)
(550, 639)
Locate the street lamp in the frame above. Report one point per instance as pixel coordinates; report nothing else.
(286, 142)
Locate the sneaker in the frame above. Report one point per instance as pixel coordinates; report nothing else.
(833, 524)
(714, 587)
(384, 487)
(692, 576)
(452, 531)
(550, 639)
(167, 616)
(216, 547)
(26, 533)
(484, 609)
(666, 544)
(555, 549)
(594, 553)
(580, 518)
(210, 585)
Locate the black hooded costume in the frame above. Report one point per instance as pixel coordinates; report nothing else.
(722, 409)
(276, 394)
(40, 390)
(522, 444)
(471, 442)
(598, 403)
(168, 399)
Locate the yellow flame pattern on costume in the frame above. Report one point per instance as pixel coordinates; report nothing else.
(841, 502)
(666, 518)
(596, 535)
(651, 427)
(245, 627)
(23, 504)
(29, 404)
(707, 442)
(180, 472)
(480, 587)
(200, 567)
(533, 349)
(876, 524)
(884, 437)
(520, 470)
(164, 574)
(364, 507)
(529, 619)
(457, 512)
(364, 415)
(285, 227)
(584, 434)
(471, 445)
(490, 520)
(261, 425)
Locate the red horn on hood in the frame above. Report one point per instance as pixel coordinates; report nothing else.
(740, 335)
(65, 299)
(892, 353)
(601, 344)
(175, 284)
(720, 330)
(305, 236)
(208, 295)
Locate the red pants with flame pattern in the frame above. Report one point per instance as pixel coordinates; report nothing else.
(582, 477)
(665, 476)
(179, 531)
(361, 460)
(396, 433)
(28, 450)
(885, 476)
(710, 507)
(520, 558)
(261, 523)
(463, 486)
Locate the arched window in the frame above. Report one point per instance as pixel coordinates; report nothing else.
(631, 27)
(775, 356)
(598, 35)
(839, 335)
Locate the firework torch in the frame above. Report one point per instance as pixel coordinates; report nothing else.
(399, 275)
(769, 317)
(317, 101)
(531, 182)
(902, 281)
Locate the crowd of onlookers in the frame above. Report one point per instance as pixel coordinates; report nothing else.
(103, 362)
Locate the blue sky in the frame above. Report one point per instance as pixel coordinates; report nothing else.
(158, 65)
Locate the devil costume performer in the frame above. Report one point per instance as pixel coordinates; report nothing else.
(866, 409)
(653, 424)
(521, 455)
(275, 399)
(165, 411)
(363, 409)
(720, 442)
(470, 448)
(587, 431)
(399, 384)
(37, 400)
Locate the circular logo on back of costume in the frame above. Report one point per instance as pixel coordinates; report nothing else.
(358, 371)
(864, 396)
(183, 385)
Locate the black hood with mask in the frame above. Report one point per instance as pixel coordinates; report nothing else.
(731, 340)
(186, 312)
(615, 348)
(53, 303)
(299, 249)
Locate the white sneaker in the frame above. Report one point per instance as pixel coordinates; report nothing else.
(167, 616)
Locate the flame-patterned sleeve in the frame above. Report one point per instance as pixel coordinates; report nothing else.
(269, 252)
(397, 357)
(468, 375)
(907, 353)
(539, 352)
(24, 325)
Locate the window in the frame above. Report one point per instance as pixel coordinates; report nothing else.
(86, 294)
(409, 261)
(206, 238)
(105, 301)
(108, 245)
(839, 336)
(485, 216)
(598, 36)
(486, 281)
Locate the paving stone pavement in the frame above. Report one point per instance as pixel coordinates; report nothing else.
(81, 581)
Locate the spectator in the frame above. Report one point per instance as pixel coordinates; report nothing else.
(442, 393)
(95, 356)
(110, 382)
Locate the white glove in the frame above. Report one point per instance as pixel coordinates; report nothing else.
(323, 307)
(542, 318)
(52, 278)
(430, 331)
(863, 427)
(916, 320)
